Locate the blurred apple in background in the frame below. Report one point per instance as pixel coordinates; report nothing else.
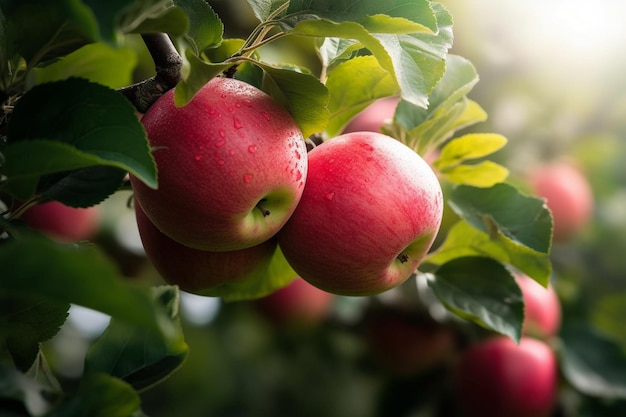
(498, 378)
(374, 116)
(63, 223)
(568, 195)
(297, 304)
(542, 308)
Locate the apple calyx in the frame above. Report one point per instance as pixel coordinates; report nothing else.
(403, 258)
(266, 212)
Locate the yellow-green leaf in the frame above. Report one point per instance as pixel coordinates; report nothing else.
(484, 174)
(468, 147)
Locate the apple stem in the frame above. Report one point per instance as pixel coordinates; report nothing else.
(168, 64)
(265, 211)
(312, 141)
(403, 257)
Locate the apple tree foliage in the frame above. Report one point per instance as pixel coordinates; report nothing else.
(68, 134)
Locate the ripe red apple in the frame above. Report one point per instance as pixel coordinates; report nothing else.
(197, 271)
(407, 345)
(542, 308)
(369, 213)
(497, 378)
(568, 195)
(298, 304)
(63, 223)
(231, 163)
(374, 116)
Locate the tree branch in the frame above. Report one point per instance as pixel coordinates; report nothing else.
(167, 64)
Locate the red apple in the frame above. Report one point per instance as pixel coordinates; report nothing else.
(542, 308)
(63, 223)
(369, 213)
(497, 378)
(568, 195)
(298, 303)
(406, 345)
(232, 166)
(374, 116)
(197, 271)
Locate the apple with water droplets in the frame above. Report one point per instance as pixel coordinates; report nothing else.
(231, 166)
(197, 271)
(369, 213)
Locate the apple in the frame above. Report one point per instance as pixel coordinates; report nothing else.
(542, 308)
(374, 116)
(498, 377)
(63, 223)
(405, 344)
(197, 271)
(369, 213)
(231, 164)
(568, 195)
(297, 304)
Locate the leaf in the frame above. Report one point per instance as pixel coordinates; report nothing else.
(93, 62)
(608, 313)
(38, 267)
(484, 174)
(352, 86)
(88, 125)
(273, 276)
(26, 322)
(333, 51)
(141, 357)
(100, 396)
(483, 291)
(173, 21)
(205, 27)
(200, 73)
(594, 364)
(502, 209)
(263, 9)
(465, 240)
(468, 147)
(302, 95)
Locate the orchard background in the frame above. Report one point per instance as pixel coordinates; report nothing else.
(494, 90)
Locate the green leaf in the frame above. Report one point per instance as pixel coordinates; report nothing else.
(200, 73)
(301, 94)
(594, 364)
(277, 274)
(465, 240)
(173, 21)
(205, 29)
(608, 316)
(352, 86)
(504, 210)
(88, 125)
(26, 322)
(141, 357)
(332, 51)
(263, 9)
(468, 147)
(484, 174)
(38, 267)
(483, 291)
(93, 62)
(100, 396)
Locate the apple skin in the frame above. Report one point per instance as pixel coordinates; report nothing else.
(197, 271)
(542, 308)
(228, 149)
(63, 223)
(297, 304)
(374, 116)
(369, 213)
(568, 195)
(497, 378)
(406, 345)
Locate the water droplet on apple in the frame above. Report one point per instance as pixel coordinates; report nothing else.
(265, 115)
(212, 112)
(220, 162)
(298, 176)
(252, 148)
(238, 105)
(247, 178)
(220, 143)
(221, 133)
(197, 157)
(298, 155)
(329, 196)
(237, 123)
(231, 152)
(248, 103)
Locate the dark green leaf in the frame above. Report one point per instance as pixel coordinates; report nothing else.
(594, 364)
(141, 357)
(205, 29)
(483, 291)
(608, 316)
(353, 85)
(333, 51)
(523, 219)
(77, 274)
(100, 396)
(263, 9)
(88, 125)
(173, 21)
(26, 322)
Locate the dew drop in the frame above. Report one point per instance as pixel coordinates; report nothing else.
(265, 115)
(329, 196)
(223, 95)
(298, 155)
(298, 176)
(238, 105)
(197, 157)
(237, 123)
(212, 112)
(221, 133)
(231, 152)
(220, 162)
(220, 143)
(252, 148)
(248, 103)
(247, 178)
